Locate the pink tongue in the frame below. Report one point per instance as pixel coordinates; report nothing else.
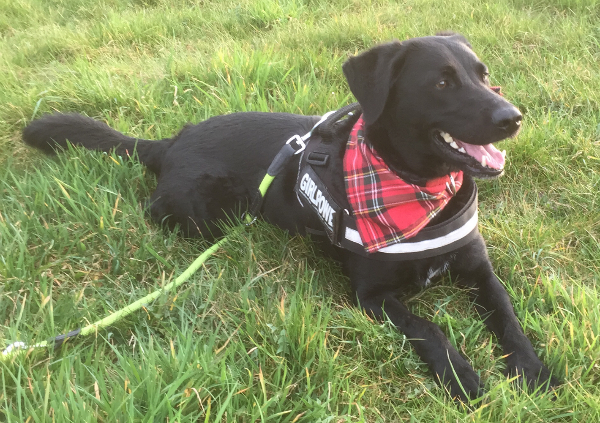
(494, 157)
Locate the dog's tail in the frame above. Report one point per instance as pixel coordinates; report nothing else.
(53, 131)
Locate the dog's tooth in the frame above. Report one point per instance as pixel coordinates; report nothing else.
(484, 161)
(446, 136)
(454, 145)
(503, 153)
(462, 150)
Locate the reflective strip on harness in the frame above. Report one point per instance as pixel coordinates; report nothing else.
(445, 237)
(420, 246)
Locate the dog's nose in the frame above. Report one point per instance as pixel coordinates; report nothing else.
(507, 118)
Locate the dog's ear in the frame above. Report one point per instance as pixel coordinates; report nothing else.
(371, 75)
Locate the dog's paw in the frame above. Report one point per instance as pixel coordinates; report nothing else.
(531, 372)
(457, 375)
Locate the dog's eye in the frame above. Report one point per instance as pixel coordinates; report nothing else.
(442, 84)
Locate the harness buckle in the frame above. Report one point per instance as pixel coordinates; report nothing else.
(300, 145)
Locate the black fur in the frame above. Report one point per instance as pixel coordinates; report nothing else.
(211, 170)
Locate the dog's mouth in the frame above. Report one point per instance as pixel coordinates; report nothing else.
(483, 161)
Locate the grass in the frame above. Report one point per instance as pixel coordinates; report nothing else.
(264, 331)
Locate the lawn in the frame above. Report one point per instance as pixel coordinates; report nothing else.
(265, 331)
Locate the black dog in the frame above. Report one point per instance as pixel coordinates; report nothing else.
(413, 94)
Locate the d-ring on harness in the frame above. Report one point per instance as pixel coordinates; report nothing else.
(295, 145)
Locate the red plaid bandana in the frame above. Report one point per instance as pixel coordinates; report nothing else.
(387, 209)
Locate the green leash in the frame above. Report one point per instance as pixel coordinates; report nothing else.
(293, 146)
(18, 348)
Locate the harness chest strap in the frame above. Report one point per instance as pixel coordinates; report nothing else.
(340, 226)
(315, 189)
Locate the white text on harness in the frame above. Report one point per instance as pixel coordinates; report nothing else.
(316, 197)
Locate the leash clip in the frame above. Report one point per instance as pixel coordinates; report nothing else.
(248, 219)
(300, 143)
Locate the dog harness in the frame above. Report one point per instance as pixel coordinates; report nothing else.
(363, 206)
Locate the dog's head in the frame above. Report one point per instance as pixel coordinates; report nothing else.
(429, 108)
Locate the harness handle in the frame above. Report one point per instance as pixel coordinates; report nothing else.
(326, 129)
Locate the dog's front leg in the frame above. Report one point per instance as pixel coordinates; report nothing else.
(474, 270)
(374, 283)
(430, 343)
